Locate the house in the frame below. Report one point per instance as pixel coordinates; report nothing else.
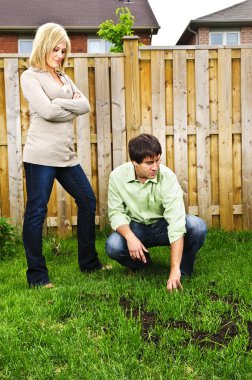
(19, 20)
(229, 26)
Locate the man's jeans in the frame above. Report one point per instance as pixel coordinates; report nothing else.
(39, 183)
(154, 235)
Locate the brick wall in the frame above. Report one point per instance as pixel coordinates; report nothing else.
(193, 41)
(203, 36)
(144, 38)
(246, 35)
(78, 43)
(8, 43)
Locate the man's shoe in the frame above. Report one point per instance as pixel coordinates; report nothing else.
(96, 269)
(106, 267)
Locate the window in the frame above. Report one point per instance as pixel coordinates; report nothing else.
(231, 37)
(96, 45)
(25, 45)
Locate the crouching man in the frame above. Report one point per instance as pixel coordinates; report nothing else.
(146, 209)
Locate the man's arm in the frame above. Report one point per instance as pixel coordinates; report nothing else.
(175, 274)
(174, 213)
(136, 248)
(120, 220)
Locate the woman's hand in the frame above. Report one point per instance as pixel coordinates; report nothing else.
(76, 95)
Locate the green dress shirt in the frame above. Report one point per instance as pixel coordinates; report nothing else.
(161, 197)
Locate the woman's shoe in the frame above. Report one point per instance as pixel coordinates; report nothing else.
(49, 285)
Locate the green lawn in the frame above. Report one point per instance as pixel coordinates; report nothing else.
(112, 326)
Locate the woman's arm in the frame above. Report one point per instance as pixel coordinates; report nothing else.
(39, 101)
(79, 106)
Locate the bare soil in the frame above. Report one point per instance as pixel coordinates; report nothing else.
(227, 331)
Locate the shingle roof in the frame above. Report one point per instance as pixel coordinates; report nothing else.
(237, 12)
(237, 15)
(72, 14)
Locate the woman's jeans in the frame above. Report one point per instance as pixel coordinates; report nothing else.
(154, 235)
(39, 183)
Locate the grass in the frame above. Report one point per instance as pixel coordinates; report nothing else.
(112, 326)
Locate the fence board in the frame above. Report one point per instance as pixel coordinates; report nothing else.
(214, 139)
(64, 211)
(3, 128)
(169, 112)
(225, 138)
(145, 94)
(203, 135)
(246, 97)
(12, 97)
(83, 121)
(103, 133)
(158, 96)
(237, 153)
(180, 120)
(118, 111)
(4, 185)
(132, 86)
(191, 120)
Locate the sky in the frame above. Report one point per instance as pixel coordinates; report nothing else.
(174, 15)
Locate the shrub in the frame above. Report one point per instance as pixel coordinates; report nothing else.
(115, 32)
(8, 237)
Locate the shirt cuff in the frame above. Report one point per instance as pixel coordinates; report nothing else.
(119, 220)
(175, 235)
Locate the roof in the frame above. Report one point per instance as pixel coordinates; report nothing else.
(27, 15)
(239, 14)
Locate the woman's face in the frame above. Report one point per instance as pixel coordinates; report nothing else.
(55, 57)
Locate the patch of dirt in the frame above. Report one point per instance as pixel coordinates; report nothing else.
(227, 331)
(147, 318)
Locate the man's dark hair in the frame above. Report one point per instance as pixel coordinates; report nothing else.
(142, 146)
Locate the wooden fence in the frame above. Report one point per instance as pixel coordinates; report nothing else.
(197, 101)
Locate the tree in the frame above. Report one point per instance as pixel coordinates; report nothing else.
(115, 32)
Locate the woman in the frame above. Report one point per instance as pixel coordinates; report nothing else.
(54, 101)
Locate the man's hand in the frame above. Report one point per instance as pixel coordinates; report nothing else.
(174, 280)
(136, 249)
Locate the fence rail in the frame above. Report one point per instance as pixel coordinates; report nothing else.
(197, 101)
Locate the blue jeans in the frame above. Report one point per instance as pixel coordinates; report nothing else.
(154, 235)
(39, 183)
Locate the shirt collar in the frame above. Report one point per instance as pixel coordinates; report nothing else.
(132, 176)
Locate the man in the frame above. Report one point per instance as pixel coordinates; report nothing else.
(146, 209)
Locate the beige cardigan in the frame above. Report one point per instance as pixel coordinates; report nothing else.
(50, 139)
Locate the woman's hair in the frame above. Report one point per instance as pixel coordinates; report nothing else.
(47, 37)
(142, 146)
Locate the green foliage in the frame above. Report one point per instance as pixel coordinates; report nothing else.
(115, 32)
(8, 237)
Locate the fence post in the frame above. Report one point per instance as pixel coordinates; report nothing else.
(132, 86)
(12, 96)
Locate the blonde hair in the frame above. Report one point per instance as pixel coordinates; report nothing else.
(47, 37)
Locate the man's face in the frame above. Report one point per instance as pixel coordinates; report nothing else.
(148, 168)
